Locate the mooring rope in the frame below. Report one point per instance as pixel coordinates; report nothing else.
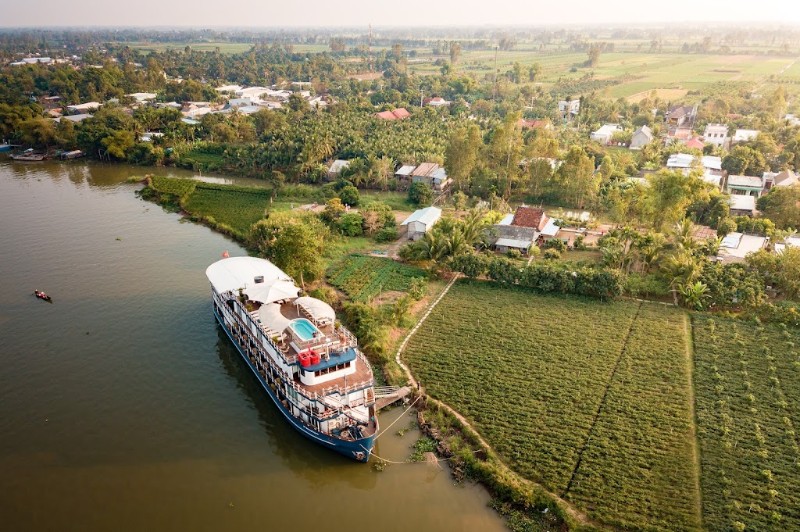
(381, 433)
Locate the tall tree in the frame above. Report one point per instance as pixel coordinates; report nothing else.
(462, 153)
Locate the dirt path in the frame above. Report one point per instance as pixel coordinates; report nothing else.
(687, 327)
(576, 514)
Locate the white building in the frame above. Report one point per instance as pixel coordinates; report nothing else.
(745, 135)
(421, 221)
(736, 246)
(142, 97)
(641, 138)
(84, 107)
(716, 134)
(604, 134)
(742, 205)
(569, 106)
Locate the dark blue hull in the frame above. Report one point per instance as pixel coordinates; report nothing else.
(358, 450)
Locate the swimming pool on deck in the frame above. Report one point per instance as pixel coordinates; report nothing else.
(304, 329)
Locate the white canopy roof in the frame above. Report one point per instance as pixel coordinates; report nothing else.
(272, 319)
(271, 291)
(241, 272)
(319, 310)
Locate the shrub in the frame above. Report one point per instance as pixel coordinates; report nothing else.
(387, 234)
(349, 195)
(514, 254)
(551, 254)
(350, 224)
(555, 243)
(420, 194)
(578, 243)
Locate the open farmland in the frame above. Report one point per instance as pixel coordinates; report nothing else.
(747, 381)
(578, 395)
(362, 277)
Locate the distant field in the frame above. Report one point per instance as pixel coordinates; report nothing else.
(639, 72)
(576, 394)
(224, 47)
(747, 382)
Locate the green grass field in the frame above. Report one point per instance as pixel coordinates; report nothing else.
(575, 394)
(224, 47)
(748, 411)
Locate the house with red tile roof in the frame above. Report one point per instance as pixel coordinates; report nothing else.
(397, 114)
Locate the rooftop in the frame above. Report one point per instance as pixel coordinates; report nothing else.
(528, 217)
(427, 216)
(749, 181)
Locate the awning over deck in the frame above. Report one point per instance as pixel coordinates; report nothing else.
(319, 311)
(272, 319)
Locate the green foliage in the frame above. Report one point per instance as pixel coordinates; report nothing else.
(754, 226)
(362, 277)
(747, 389)
(420, 194)
(557, 277)
(530, 379)
(473, 265)
(294, 242)
(236, 207)
(556, 244)
(387, 234)
(646, 285)
(514, 254)
(781, 206)
(349, 195)
(732, 285)
(551, 254)
(350, 224)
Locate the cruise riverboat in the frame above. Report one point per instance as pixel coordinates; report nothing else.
(308, 364)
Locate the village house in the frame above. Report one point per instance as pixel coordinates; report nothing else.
(604, 134)
(569, 107)
(336, 168)
(432, 174)
(681, 115)
(404, 172)
(84, 107)
(535, 124)
(736, 246)
(785, 178)
(742, 205)
(436, 101)
(678, 134)
(695, 143)
(397, 114)
(716, 134)
(421, 221)
(744, 135)
(506, 237)
(744, 185)
(142, 97)
(641, 138)
(229, 89)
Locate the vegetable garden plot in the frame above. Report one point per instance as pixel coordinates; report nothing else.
(747, 382)
(530, 372)
(362, 277)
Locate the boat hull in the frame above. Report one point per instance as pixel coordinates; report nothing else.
(358, 450)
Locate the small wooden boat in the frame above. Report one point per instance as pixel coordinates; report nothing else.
(42, 295)
(27, 155)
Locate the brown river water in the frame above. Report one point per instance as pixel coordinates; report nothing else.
(123, 406)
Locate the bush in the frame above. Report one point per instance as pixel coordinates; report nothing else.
(551, 254)
(470, 264)
(514, 254)
(637, 284)
(387, 234)
(349, 195)
(555, 243)
(350, 224)
(420, 194)
(417, 288)
(578, 243)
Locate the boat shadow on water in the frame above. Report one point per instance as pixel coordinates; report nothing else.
(317, 465)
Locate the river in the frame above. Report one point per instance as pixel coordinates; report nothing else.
(124, 407)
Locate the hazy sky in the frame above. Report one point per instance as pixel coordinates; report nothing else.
(261, 13)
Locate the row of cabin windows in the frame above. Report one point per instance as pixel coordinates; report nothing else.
(331, 369)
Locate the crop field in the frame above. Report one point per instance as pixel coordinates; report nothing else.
(236, 207)
(638, 72)
(747, 381)
(362, 277)
(578, 395)
(224, 47)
